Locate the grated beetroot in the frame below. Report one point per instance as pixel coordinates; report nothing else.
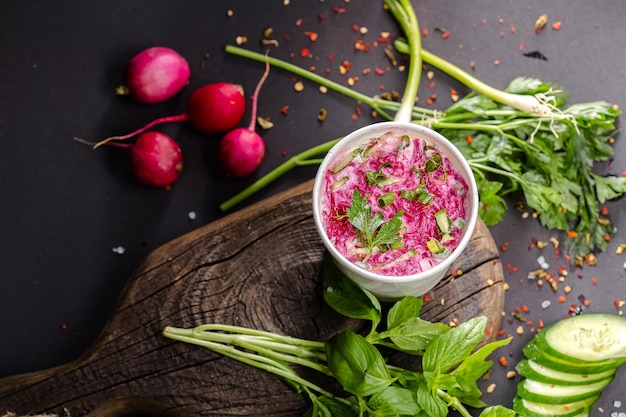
(403, 162)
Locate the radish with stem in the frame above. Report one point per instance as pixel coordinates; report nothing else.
(211, 109)
(241, 150)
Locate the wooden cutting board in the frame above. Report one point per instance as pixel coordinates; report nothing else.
(260, 268)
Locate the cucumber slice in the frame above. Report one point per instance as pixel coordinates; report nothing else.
(529, 408)
(539, 372)
(539, 351)
(588, 337)
(541, 392)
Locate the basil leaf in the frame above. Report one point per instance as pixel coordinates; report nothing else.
(403, 310)
(454, 346)
(394, 401)
(413, 335)
(430, 402)
(357, 364)
(346, 297)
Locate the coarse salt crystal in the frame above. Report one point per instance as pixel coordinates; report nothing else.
(119, 250)
(617, 403)
(192, 215)
(542, 262)
(545, 304)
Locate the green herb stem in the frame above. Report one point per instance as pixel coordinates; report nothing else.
(454, 403)
(404, 14)
(308, 157)
(265, 359)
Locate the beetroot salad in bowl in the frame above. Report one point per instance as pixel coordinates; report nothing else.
(395, 204)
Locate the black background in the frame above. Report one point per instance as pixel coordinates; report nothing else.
(64, 207)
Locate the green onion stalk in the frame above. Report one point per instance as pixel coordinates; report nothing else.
(521, 139)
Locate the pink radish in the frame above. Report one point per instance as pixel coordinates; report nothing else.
(156, 159)
(241, 150)
(211, 109)
(155, 75)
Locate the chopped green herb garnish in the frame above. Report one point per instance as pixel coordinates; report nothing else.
(386, 199)
(433, 163)
(372, 231)
(444, 224)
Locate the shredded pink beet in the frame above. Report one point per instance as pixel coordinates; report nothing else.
(405, 164)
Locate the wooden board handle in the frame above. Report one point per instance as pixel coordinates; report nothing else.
(258, 267)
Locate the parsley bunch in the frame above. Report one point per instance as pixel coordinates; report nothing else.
(524, 140)
(450, 360)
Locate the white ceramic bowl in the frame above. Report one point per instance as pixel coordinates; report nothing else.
(387, 287)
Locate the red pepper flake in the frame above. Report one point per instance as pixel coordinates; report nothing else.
(424, 32)
(426, 298)
(379, 71)
(382, 39)
(524, 309)
(521, 46)
(556, 25)
(284, 110)
(299, 22)
(623, 173)
(572, 234)
(338, 10)
(284, 153)
(355, 27)
(366, 71)
(513, 29)
(468, 139)
(500, 332)
(431, 99)
(484, 21)
(502, 361)
(62, 326)
(504, 246)
(619, 303)
(540, 323)
(445, 34)
(605, 211)
(561, 299)
(586, 302)
(488, 331)
(311, 35)
(331, 57)
(320, 17)
(355, 116)
(607, 238)
(594, 281)
(496, 62)
(287, 37)
(431, 85)
(305, 52)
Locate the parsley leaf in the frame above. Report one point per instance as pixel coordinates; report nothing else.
(372, 231)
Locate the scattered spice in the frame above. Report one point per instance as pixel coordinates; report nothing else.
(298, 86)
(502, 361)
(536, 54)
(321, 115)
(491, 388)
(556, 25)
(541, 22)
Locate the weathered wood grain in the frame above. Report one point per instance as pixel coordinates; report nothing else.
(259, 267)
